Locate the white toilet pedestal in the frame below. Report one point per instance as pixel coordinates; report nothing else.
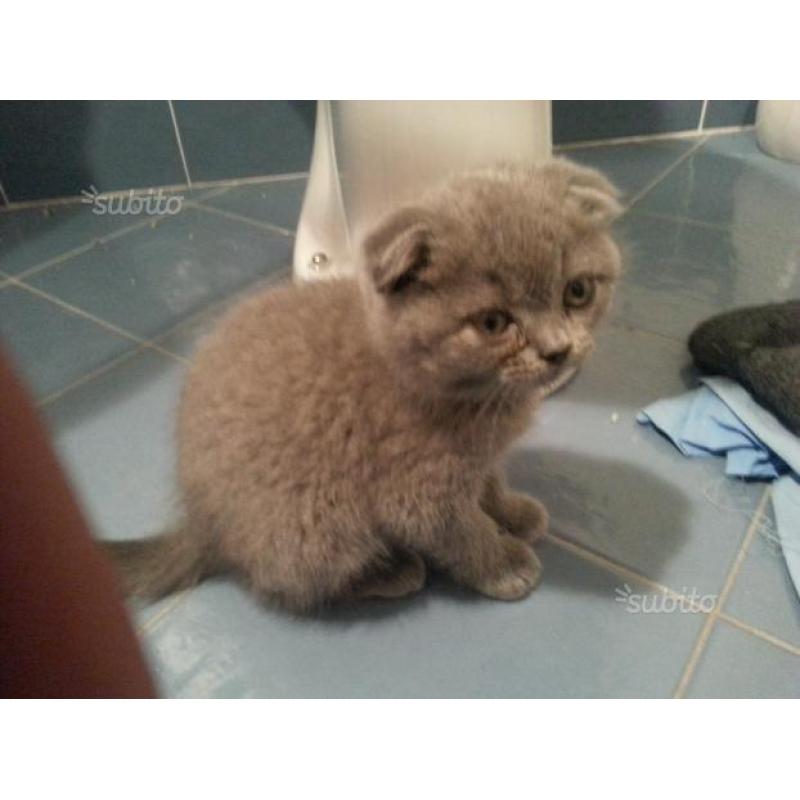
(778, 128)
(370, 156)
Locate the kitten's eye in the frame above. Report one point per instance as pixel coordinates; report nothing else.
(493, 322)
(579, 292)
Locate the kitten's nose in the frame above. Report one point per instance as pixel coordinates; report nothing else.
(557, 357)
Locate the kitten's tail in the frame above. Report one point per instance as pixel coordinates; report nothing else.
(159, 565)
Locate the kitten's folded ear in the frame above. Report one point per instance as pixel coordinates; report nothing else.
(398, 250)
(591, 197)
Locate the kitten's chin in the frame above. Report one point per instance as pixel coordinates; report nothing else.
(540, 383)
(558, 382)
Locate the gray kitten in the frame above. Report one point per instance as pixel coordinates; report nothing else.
(337, 438)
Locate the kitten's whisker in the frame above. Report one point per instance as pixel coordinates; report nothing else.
(486, 404)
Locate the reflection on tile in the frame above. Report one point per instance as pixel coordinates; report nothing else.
(571, 638)
(58, 148)
(633, 166)
(52, 347)
(730, 181)
(238, 139)
(114, 436)
(584, 120)
(680, 273)
(764, 595)
(148, 281)
(276, 202)
(184, 339)
(34, 236)
(737, 665)
(621, 489)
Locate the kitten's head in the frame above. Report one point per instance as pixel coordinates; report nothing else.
(495, 279)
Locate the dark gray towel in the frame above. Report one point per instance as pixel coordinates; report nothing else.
(759, 347)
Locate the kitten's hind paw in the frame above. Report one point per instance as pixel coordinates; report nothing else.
(404, 575)
(519, 579)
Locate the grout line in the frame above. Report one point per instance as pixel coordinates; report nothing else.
(210, 194)
(149, 624)
(150, 344)
(95, 373)
(71, 200)
(691, 133)
(84, 248)
(218, 306)
(664, 173)
(255, 180)
(23, 205)
(241, 218)
(180, 144)
(215, 189)
(705, 633)
(702, 122)
(761, 634)
(155, 342)
(79, 312)
(745, 225)
(4, 196)
(685, 220)
(66, 256)
(615, 568)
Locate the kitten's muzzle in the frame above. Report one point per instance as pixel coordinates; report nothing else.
(557, 357)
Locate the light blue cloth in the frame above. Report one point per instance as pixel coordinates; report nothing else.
(720, 418)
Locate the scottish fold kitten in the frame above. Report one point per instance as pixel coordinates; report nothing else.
(336, 439)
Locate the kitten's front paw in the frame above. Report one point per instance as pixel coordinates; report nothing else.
(520, 575)
(528, 519)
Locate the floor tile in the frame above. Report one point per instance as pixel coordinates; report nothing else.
(35, 236)
(50, 346)
(114, 435)
(275, 202)
(678, 273)
(764, 595)
(620, 488)
(631, 166)
(150, 280)
(571, 638)
(738, 665)
(730, 181)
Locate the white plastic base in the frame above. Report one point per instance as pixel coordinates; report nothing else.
(370, 156)
(778, 128)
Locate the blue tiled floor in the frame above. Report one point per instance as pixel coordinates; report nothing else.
(277, 202)
(102, 316)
